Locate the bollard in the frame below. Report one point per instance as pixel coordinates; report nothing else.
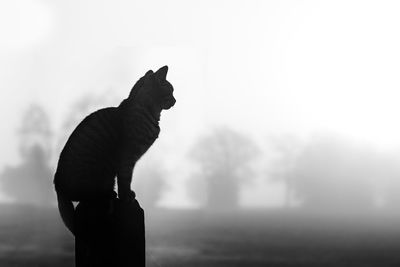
(109, 233)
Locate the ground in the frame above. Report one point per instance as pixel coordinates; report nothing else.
(36, 237)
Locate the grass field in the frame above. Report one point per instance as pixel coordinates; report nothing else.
(36, 237)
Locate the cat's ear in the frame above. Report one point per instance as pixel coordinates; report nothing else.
(149, 73)
(140, 83)
(150, 80)
(161, 74)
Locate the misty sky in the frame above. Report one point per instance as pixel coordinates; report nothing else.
(260, 67)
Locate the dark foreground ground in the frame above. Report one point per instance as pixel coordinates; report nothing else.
(35, 237)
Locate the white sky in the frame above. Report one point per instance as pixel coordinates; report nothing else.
(262, 67)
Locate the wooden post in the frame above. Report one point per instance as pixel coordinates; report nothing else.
(109, 233)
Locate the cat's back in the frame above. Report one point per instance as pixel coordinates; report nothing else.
(94, 141)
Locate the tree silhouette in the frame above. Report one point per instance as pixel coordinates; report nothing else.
(31, 181)
(35, 130)
(224, 158)
(285, 149)
(334, 173)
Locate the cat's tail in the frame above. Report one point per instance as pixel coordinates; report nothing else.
(67, 212)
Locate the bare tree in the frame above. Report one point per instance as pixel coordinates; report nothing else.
(35, 130)
(285, 150)
(224, 158)
(31, 181)
(334, 173)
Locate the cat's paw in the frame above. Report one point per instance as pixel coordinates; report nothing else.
(127, 196)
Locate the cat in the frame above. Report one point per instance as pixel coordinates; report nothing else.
(108, 143)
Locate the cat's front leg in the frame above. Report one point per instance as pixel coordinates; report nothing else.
(124, 179)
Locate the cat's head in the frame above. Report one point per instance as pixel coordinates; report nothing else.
(154, 90)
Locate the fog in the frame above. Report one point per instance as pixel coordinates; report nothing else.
(285, 120)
